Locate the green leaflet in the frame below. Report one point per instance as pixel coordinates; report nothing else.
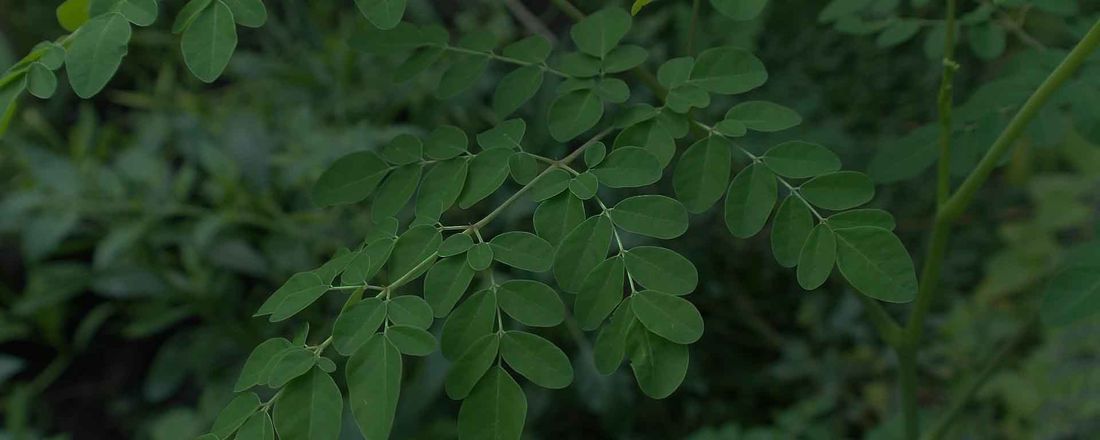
(374, 385)
(507, 135)
(628, 167)
(411, 340)
(410, 310)
(72, 13)
(524, 168)
(798, 159)
(138, 12)
(898, 32)
(790, 228)
(675, 72)
(415, 246)
(441, 187)
(651, 215)
(537, 359)
(209, 41)
(578, 65)
(750, 200)
(584, 185)
(455, 245)
(659, 365)
(480, 256)
(523, 250)
(601, 291)
(349, 179)
(728, 71)
(396, 191)
(461, 75)
(650, 135)
(533, 49)
(259, 363)
(289, 364)
(309, 408)
(555, 217)
(739, 10)
(702, 172)
(368, 262)
(549, 185)
(623, 58)
(487, 173)
(383, 14)
(96, 51)
(574, 113)
(41, 82)
(875, 262)
(584, 247)
(257, 427)
(471, 366)
(470, 321)
(301, 290)
(403, 149)
(188, 14)
(815, 261)
(600, 32)
(336, 265)
(987, 41)
(1072, 295)
(532, 303)
(358, 324)
(635, 114)
(668, 316)
(613, 90)
(839, 191)
(235, 413)
(516, 88)
(248, 13)
(595, 154)
(610, 346)
(764, 116)
(662, 270)
(682, 98)
(496, 409)
(862, 217)
(446, 142)
(420, 60)
(445, 284)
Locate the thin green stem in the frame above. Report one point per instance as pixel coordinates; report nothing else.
(793, 189)
(505, 59)
(944, 101)
(958, 202)
(566, 160)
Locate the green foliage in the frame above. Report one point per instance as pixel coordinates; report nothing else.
(473, 267)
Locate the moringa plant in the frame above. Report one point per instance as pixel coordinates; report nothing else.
(494, 280)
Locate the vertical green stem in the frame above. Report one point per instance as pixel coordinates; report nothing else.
(953, 207)
(944, 101)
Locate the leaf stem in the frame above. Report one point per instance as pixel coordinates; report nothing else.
(691, 27)
(956, 204)
(962, 197)
(944, 101)
(505, 59)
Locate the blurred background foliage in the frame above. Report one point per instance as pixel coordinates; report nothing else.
(140, 230)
